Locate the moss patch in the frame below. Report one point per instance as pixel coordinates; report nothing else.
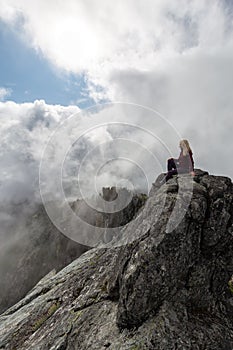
(77, 315)
(45, 316)
(230, 284)
(143, 196)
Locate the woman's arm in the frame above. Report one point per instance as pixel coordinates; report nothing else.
(192, 165)
(192, 162)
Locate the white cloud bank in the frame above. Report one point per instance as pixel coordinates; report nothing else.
(99, 37)
(24, 131)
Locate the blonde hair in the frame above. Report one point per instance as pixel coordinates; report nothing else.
(186, 149)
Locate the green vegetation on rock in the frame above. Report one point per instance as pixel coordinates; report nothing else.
(44, 317)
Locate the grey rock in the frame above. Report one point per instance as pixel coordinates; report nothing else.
(161, 290)
(43, 247)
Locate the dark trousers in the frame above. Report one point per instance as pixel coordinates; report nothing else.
(171, 168)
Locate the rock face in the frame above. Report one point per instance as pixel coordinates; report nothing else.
(116, 218)
(43, 247)
(109, 194)
(39, 249)
(164, 290)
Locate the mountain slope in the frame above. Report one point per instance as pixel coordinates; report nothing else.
(41, 247)
(164, 290)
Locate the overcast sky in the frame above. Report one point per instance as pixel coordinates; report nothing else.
(60, 57)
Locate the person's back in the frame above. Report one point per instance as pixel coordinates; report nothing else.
(185, 162)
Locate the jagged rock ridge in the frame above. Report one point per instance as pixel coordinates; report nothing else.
(43, 247)
(163, 291)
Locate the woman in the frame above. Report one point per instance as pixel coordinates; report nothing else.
(184, 164)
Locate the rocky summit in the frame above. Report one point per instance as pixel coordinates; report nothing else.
(163, 289)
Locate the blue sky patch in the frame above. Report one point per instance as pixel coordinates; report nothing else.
(30, 76)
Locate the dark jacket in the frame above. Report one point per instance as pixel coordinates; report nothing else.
(185, 163)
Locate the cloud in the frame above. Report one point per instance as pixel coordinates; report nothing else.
(84, 142)
(194, 93)
(86, 148)
(24, 131)
(98, 38)
(4, 92)
(175, 57)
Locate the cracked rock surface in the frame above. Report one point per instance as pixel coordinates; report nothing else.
(164, 290)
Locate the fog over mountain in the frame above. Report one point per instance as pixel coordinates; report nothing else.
(152, 72)
(174, 58)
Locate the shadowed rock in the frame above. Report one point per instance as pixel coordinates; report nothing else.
(109, 194)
